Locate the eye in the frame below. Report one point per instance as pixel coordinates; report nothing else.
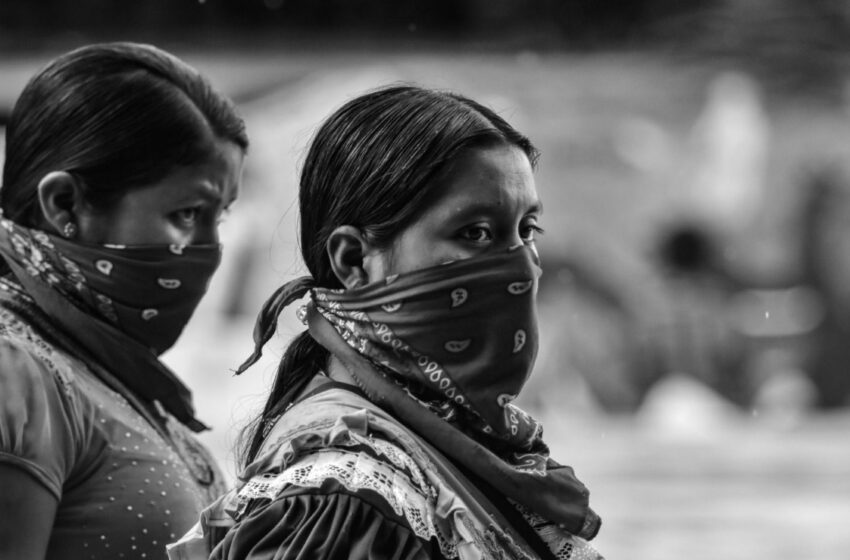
(530, 231)
(477, 234)
(187, 217)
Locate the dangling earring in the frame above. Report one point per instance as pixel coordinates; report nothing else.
(69, 230)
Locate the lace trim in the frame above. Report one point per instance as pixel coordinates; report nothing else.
(357, 471)
(411, 498)
(405, 479)
(398, 458)
(564, 545)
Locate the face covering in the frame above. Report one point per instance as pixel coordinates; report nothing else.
(147, 292)
(466, 331)
(458, 340)
(457, 335)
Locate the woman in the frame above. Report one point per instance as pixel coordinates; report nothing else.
(120, 160)
(389, 431)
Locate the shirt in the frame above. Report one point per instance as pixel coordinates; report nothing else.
(127, 480)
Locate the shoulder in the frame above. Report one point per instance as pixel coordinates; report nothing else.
(39, 425)
(327, 518)
(325, 472)
(21, 342)
(376, 470)
(29, 364)
(340, 435)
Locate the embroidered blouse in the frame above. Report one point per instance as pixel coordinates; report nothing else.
(127, 479)
(338, 478)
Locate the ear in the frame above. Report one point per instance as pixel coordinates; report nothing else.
(346, 248)
(60, 197)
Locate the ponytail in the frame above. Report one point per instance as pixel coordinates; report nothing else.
(302, 360)
(373, 164)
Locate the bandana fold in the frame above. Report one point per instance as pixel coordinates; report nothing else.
(123, 305)
(446, 349)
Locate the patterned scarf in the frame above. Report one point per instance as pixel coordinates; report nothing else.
(147, 292)
(466, 333)
(446, 349)
(124, 304)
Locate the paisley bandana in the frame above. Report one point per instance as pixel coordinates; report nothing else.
(446, 349)
(465, 331)
(147, 292)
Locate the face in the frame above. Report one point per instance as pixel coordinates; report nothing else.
(185, 208)
(489, 204)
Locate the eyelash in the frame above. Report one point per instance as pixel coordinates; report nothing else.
(180, 217)
(466, 233)
(534, 230)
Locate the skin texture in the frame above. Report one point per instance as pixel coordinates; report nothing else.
(489, 204)
(184, 208)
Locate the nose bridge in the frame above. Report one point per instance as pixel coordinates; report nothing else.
(514, 204)
(206, 234)
(513, 236)
(515, 239)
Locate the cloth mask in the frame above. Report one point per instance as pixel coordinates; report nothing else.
(446, 349)
(466, 332)
(148, 292)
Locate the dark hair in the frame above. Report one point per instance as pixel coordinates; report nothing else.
(375, 164)
(117, 116)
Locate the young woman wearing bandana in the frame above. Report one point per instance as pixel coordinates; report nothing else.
(120, 160)
(390, 431)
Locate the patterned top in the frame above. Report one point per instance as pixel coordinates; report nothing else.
(339, 478)
(127, 481)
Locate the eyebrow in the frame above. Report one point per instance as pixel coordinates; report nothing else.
(537, 206)
(204, 190)
(484, 206)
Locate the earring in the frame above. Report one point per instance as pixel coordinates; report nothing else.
(69, 230)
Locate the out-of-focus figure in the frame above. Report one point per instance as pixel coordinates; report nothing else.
(728, 148)
(825, 269)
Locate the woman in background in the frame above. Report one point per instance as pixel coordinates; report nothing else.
(389, 431)
(120, 160)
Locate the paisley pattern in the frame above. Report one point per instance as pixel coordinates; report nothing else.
(337, 435)
(147, 292)
(413, 360)
(448, 328)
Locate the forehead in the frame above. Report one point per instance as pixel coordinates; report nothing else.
(499, 176)
(217, 178)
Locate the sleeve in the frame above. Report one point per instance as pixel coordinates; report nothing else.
(326, 523)
(36, 424)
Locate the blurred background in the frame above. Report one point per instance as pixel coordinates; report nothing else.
(695, 303)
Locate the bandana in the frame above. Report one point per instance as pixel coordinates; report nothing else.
(446, 349)
(465, 331)
(147, 292)
(123, 305)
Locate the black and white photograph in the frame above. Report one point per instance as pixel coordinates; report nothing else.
(424, 280)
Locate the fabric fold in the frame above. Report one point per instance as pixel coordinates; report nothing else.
(338, 437)
(136, 366)
(555, 494)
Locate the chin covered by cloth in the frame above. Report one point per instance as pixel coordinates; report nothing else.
(424, 456)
